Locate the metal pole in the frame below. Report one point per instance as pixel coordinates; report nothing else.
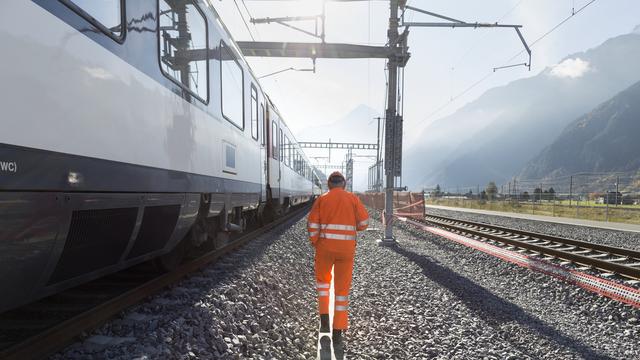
(577, 205)
(378, 186)
(617, 189)
(541, 192)
(533, 202)
(607, 200)
(391, 116)
(570, 190)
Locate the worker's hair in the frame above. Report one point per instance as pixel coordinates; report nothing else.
(336, 181)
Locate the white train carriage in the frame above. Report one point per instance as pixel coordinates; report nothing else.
(128, 127)
(290, 174)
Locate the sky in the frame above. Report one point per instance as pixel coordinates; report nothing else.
(448, 67)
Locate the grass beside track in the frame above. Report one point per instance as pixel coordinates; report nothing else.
(629, 214)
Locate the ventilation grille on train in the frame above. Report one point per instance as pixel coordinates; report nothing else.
(158, 223)
(96, 239)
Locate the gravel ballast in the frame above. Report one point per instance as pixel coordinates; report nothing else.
(250, 304)
(426, 298)
(432, 298)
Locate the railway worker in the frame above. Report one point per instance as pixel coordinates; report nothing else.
(332, 225)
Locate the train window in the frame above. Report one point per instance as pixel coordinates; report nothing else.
(285, 150)
(229, 158)
(232, 87)
(287, 154)
(183, 30)
(107, 15)
(274, 140)
(263, 115)
(294, 160)
(281, 143)
(254, 112)
(300, 165)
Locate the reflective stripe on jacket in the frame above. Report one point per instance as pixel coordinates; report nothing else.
(335, 218)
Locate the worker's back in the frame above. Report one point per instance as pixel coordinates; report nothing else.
(335, 218)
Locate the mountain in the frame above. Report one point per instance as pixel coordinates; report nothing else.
(356, 126)
(606, 139)
(491, 138)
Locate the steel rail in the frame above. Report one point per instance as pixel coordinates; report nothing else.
(57, 337)
(599, 247)
(576, 253)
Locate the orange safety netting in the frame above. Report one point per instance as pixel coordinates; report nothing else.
(405, 203)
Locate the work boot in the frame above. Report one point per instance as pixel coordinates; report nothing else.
(339, 347)
(324, 323)
(325, 348)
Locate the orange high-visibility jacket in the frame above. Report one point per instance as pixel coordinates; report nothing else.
(334, 219)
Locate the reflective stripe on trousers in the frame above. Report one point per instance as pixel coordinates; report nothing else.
(342, 303)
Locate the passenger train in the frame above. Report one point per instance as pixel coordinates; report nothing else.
(131, 130)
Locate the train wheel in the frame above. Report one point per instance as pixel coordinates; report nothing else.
(172, 259)
(269, 212)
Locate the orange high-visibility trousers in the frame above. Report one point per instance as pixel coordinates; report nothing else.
(342, 264)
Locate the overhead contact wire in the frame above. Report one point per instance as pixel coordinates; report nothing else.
(243, 19)
(472, 86)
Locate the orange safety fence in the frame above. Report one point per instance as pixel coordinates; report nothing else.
(405, 203)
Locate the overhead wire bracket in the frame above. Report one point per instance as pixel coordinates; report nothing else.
(313, 69)
(455, 23)
(320, 20)
(285, 21)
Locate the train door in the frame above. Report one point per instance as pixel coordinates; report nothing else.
(257, 133)
(264, 167)
(274, 159)
(281, 163)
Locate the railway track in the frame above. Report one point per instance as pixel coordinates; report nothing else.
(42, 328)
(608, 259)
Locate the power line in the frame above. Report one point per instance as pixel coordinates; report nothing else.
(574, 13)
(243, 19)
(472, 47)
(488, 75)
(464, 55)
(244, 4)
